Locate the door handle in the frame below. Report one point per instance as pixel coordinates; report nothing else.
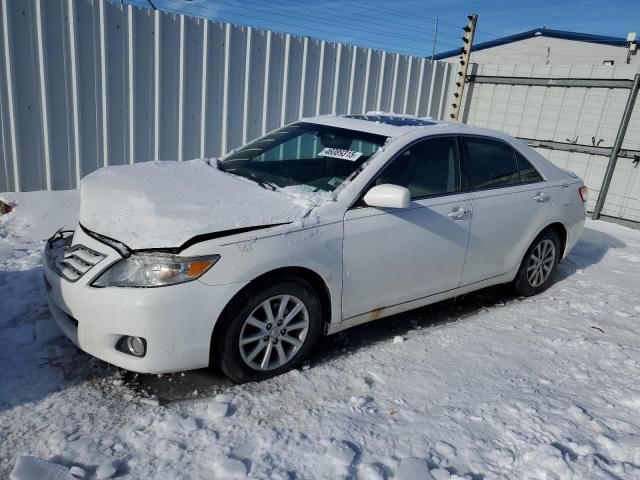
(541, 197)
(458, 213)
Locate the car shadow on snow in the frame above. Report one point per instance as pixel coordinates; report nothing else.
(35, 359)
(198, 384)
(590, 249)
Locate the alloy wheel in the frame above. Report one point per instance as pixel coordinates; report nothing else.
(541, 263)
(274, 332)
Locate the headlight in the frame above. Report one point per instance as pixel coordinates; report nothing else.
(154, 270)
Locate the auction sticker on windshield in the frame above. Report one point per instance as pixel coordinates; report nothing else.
(340, 153)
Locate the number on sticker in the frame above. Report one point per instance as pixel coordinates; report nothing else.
(340, 153)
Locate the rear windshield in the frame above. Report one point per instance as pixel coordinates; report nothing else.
(315, 157)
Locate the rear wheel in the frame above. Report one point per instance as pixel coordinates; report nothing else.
(268, 330)
(538, 264)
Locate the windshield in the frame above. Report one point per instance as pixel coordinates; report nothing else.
(316, 157)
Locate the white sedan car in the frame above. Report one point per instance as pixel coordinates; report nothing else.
(330, 222)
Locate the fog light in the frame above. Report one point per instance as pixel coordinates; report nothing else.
(136, 346)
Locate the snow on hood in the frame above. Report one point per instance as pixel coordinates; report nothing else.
(164, 204)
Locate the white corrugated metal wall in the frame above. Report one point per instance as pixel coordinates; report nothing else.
(87, 83)
(566, 114)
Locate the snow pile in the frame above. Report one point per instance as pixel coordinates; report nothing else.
(382, 113)
(36, 216)
(30, 222)
(105, 470)
(489, 386)
(32, 468)
(78, 472)
(217, 409)
(164, 204)
(308, 200)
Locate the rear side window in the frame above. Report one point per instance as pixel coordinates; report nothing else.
(490, 164)
(528, 174)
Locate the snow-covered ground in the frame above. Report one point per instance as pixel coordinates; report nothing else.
(489, 386)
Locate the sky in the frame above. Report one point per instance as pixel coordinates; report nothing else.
(409, 26)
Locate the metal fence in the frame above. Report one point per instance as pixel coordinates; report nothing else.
(88, 83)
(574, 123)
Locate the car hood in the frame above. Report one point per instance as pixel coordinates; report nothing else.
(166, 204)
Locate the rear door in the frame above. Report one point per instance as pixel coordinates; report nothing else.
(510, 202)
(393, 256)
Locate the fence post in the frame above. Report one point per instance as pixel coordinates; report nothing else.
(465, 58)
(613, 159)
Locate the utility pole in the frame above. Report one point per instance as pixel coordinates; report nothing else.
(435, 36)
(613, 159)
(467, 40)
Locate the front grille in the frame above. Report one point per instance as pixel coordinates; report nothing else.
(76, 261)
(70, 262)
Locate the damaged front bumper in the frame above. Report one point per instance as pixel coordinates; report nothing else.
(175, 321)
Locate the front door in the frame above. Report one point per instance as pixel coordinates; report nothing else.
(392, 256)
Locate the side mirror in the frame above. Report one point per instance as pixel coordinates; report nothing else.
(388, 196)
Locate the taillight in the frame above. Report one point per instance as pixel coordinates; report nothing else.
(584, 193)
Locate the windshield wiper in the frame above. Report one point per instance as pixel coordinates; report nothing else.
(249, 175)
(262, 183)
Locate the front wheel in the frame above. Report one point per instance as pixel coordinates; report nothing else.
(538, 264)
(268, 330)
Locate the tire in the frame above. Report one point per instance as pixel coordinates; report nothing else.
(533, 276)
(247, 321)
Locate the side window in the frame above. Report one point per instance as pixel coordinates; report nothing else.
(490, 164)
(528, 174)
(430, 167)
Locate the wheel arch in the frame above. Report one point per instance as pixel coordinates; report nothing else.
(308, 275)
(561, 231)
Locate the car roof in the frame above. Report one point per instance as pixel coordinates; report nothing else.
(395, 125)
(395, 120)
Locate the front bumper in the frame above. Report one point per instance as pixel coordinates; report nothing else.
(176, 321)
